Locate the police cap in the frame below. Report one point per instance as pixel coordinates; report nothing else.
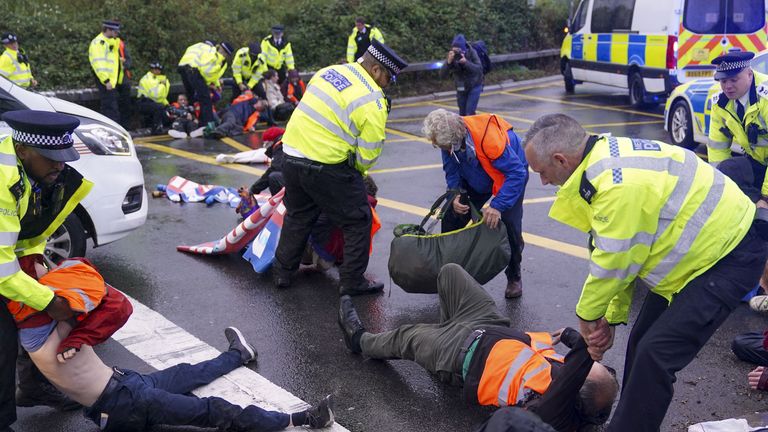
(227, 47)
(278, 28)
(50, 133)
(156, 65)
(7, 38)
(730, 64)
(384, 55)
(254, 49)
(111, 24)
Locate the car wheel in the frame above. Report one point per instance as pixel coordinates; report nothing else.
(636, 91)
(68, 241)
(681, 125)
(570, 84)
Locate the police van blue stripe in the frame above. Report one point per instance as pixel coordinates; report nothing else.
(604, 47)
(636, 49)
(577, 47)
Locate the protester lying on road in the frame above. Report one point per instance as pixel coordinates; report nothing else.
(241, 117)
(473, 346)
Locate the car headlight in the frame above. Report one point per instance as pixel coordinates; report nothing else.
(103, 140)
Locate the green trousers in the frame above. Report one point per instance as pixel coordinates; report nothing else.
(464, 307)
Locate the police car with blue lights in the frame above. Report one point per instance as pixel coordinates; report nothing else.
(686, 115)
(117, 204)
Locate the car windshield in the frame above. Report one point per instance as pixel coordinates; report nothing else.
(760, 63)
(724, 16)
(9, 103)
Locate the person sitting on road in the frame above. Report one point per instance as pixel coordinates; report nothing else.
(153, 98)
(293, 88)
(473, 346)
(184, 120)
(482, 157)
(241, 117)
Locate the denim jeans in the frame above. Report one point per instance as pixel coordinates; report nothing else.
(468, 100)
(135, 402)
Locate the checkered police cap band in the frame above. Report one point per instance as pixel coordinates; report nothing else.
(383, 59)
(726, 66)
(43, 141)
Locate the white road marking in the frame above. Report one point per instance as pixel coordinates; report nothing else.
(162, 344)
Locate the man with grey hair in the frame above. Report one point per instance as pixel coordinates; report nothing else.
(482, 158)
(660, 214)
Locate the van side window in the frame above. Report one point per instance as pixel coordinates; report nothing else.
(579, 17)
(612, 15)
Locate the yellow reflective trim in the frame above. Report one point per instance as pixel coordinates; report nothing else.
(619, 48)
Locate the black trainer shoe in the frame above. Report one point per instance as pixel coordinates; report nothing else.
(45, 394)
(321, 415)
(238, 343)
(363, 288)
(350, 323)
(280, 278)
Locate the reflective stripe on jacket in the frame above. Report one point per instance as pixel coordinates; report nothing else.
(276, 57)
(513, 366)
(24, 234)
(212, 67)
(655, 211)
(725, 127)
(245, 70)
(373, 33)
(104, 56)
(16, 71)
(154, 87)
(343, 111)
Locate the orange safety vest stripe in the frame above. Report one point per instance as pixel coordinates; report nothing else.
(292, 91)
(489, 133)
(513, 366)
(375, 227)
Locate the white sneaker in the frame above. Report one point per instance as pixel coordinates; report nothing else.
(177, 134)
(197, 133)
(759, 303)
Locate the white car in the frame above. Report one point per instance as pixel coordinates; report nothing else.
(117, 204)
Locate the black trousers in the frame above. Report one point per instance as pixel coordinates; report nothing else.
(153, 112)
(8, 351)
(338, 192)
(747, 173)
(124, 103)
(512, 219)
(749, 347)
(197, 91)
(667, 336)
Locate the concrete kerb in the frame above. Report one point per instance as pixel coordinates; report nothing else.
(505, 85)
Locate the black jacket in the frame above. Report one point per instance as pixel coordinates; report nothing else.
(468, 75)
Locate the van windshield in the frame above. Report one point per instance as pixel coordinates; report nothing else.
(724, 16)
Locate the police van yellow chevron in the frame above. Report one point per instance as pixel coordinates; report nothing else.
(656, 212)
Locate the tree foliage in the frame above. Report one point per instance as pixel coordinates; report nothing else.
(56, 33)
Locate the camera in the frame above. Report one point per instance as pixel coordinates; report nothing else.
(177, 112)
(458, 53)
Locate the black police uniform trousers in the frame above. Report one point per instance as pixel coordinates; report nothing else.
(667, 336)
(153, 112)
(338, 192)
(197, 91)
(747, 173)
(116, 103)
(8, 351)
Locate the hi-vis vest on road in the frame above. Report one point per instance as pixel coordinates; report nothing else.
(18, 72)
(104, 55)
(15, 192)
(490, 135)
(343, 111)
(726, 128)
(656, 212)
(512, 367)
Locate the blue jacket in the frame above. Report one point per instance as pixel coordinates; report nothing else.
(463, 170)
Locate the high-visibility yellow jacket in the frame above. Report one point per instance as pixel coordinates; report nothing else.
(21, 232)
(726, 128)
(373, 33)
(343, 111)
(17, 71)
(247, 70)
(104, 55)
(276, 56)
(655, 212)
(193, 54)
(154, 87)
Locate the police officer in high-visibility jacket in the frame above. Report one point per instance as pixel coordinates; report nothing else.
(333, 137)
(361, 38)
(659, 214)
(153, 97)
(201, 68)
(38, 192)
(108, 70)
(278, 52)
(248, 65)
(14, 63)
(740, 115)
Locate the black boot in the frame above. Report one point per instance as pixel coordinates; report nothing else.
(350, 324)
(321, 415)
(364, 287)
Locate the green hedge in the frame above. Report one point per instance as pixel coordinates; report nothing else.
(56, 33)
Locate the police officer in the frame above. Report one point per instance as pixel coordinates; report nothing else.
(659, 214)
(248, 65)
(739, 114)
(14, 63)
(361, 38)
(201, 68)
(334, 136)
(108, 70)
(153, 96)
(38, 191)
(277, 51)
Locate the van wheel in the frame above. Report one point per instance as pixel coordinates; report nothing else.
(68, 241)
(636, 91)
(570, 85)
(680, 125)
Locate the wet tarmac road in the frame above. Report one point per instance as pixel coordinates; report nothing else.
(295, 331)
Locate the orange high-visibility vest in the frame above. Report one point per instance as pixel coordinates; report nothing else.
(513, 366)
(77, 282)
(375, 227)
(489, 132)
(292, 91)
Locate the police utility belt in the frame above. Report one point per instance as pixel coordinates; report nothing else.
(315, 166)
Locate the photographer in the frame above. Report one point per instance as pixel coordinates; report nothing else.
(464, 64)
(183, 116)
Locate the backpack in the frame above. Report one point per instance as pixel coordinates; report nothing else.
(482, 53)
